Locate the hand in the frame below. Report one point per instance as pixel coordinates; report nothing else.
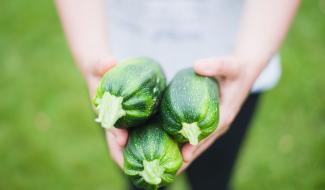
(116, 138)
(235, 76)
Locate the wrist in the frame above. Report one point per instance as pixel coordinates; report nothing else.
(253, 65)
(250, 69)
(253, 54)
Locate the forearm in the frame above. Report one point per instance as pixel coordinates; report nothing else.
(263, 26)
(84, 25)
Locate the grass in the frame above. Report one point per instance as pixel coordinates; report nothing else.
(48, 138)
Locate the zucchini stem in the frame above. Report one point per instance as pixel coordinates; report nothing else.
(109, 110)
(152, 172)
(191, 131)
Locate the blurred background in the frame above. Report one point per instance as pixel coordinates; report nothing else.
(49, 140)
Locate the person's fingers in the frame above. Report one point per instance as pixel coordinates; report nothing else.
(183, 167)
(93, 82)
(217, 67)
(97, 71)
(206, 144)
(190, 152)
(187, 152)
(104, 65)
(121, 135)
(114, 149)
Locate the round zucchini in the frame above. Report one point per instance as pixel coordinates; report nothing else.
(151, 157)
(129, 93)
(190, 107)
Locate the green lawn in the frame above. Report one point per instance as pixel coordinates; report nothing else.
(49, 140)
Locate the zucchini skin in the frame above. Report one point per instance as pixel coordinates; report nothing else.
(147, 143)
(140, 82)
(188, 99)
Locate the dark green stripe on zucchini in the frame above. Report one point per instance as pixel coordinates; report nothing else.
(190, 107)
(129, 93)
(151, 157)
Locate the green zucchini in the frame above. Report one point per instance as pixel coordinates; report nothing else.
(129, 93)
(151, 157)
(190, 107)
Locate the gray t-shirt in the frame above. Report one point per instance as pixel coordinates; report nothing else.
(178, 32)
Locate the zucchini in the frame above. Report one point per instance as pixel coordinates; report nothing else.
(129, 93)
(151, 157)
(190, 107)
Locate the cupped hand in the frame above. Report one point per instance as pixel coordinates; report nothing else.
(116, 138)
(236, 77)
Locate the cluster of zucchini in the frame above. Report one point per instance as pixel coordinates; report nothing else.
(129, 96)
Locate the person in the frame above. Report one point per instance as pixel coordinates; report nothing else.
(234, 41)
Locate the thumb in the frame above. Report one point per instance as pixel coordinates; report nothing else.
(96, 71)
(103, 65)
(216, 67)
(121, 135)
